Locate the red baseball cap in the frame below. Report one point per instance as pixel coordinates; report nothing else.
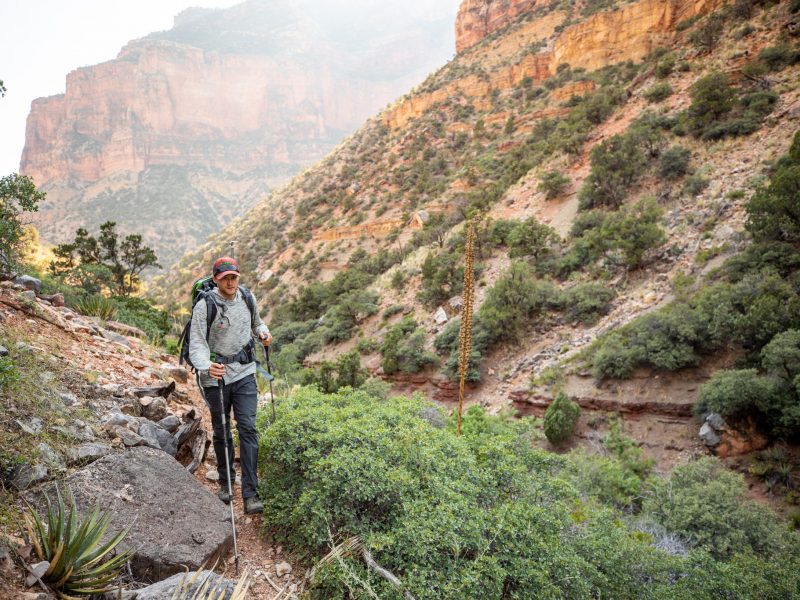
(225, 265)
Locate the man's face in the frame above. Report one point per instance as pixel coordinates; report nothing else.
(228, 284)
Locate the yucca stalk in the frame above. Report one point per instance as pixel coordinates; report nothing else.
(80, 564)
(465, 334)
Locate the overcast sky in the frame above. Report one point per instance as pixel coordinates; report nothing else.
(43, 40)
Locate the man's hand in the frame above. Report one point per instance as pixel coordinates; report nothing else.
(216, 370)
(266, 339)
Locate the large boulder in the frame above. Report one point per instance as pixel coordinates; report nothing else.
(29, 283)
(176, 523)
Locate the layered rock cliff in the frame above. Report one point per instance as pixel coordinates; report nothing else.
(188, 127)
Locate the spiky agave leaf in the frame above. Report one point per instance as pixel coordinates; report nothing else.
(211, 588)
(79, 562)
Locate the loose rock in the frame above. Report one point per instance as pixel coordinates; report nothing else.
(29, 283)
(28, 475)
(87, 453)
(283, 568)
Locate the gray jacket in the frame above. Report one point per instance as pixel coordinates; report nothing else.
(232, 329)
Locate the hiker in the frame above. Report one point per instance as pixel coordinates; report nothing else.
(228, 355)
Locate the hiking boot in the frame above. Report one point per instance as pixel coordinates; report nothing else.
(253, 506)
(223, 494)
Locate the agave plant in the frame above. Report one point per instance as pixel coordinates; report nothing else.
(97, 306)
(80, 565)
(211, 587)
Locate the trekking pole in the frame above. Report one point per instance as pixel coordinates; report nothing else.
(269, 370)
(228, 471)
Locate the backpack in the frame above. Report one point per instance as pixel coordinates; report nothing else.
(201, 290)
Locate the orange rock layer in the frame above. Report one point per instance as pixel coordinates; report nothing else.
(629, 33)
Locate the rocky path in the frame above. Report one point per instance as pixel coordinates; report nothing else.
(97, 368)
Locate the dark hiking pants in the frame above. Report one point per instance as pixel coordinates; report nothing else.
(242, 396)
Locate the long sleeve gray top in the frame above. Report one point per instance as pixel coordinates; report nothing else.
(232, 329)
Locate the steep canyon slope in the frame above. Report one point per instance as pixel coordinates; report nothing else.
(188, 127)
(508, 130)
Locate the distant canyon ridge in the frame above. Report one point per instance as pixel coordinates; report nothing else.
(188, 128)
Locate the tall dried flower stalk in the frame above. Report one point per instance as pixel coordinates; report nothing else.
(465, 335)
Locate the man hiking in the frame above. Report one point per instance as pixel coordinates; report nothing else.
(225, 361)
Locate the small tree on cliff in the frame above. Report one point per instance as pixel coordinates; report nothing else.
(560, 419)
(104, 261)
(18, 194)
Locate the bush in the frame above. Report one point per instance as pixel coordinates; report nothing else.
(779, 56)
(515, 301)
(97, 306)
(694, 185)
(674, 162)
(772, 211)
(712, 98)
(560, 419)
(586, 302)
(553, 184)
(658, 92)
(531, 238)
(708, 505)
(735, 394)
(616, 164)
(403, 349)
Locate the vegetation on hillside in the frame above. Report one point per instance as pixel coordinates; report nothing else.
(486, 515)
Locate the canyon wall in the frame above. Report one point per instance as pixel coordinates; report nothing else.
(187, 128)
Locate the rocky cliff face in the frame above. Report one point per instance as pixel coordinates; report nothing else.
(479, 18)
(203, 120)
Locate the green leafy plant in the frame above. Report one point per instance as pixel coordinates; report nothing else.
(658, 92)
(560, 419)
(80, 564)
(97, 306)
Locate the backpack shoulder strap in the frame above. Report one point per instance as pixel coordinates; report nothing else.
(249, 300)
(211, 310)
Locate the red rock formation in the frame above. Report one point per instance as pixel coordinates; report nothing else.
(478, 18)
(203, 129)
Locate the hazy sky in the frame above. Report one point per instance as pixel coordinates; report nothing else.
(43, 40)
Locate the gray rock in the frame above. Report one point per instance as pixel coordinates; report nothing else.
(716, 422)
(68, 398)
(29, 283)
(3, 351)
(51, 458)
(212, 475)
(164, 590)
(118, 419)
(129, 438)
(29, 295)
(154, 408)
(38, 570)
(167, 508)
(28, 475)
(170, 423)
(440, 317)
(283, 568)
(179, 374)
(708, 436)
(147, 430)
(87, 453)
(23, 347)
(78, 431)
(31, 426)
(115, 337)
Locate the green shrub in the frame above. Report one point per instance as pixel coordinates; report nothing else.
(442, 277)
(779, 56)
(142, 313)
(366, 345)
(560, 419)
(403, 349)
(772, 211)
(709, 33)
(553, 184)
(515, 301)
(531, 238)
(97, 306)
(674, 162)
(658, 92)
(8, 371)
(665, 67)
(586, 302)
(708, 505)
(617, 163)
(735, 394)
(694, 185)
